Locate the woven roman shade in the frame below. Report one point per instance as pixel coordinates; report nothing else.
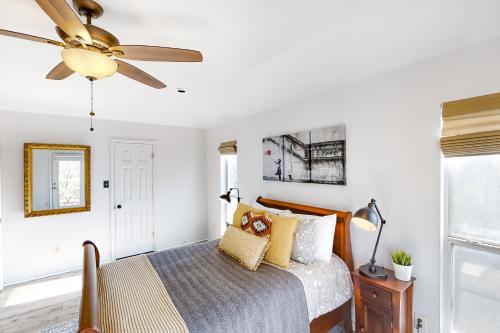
(228, 148)
(471, 126)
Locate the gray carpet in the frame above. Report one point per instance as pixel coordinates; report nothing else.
(67, 327)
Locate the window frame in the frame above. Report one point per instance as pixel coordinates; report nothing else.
(449, 242)
(223, 165)
(225, 184)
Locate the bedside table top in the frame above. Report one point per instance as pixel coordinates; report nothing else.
(391, 283)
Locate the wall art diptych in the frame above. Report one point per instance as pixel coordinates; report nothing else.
(313, 156)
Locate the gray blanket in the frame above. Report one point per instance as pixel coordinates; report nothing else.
(213, 293)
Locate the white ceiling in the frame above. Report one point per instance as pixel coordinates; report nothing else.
(258, 54)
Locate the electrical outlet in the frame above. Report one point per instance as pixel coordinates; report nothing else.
(56, 250)
(419, 323)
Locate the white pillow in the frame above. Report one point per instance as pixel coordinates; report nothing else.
(323, 237)
(285, 212)
(305, 216)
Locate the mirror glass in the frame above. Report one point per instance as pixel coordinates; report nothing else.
(57, 179)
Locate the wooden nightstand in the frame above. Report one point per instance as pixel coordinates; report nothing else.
(383, 305)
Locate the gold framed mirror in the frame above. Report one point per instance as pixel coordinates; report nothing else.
(56, 179)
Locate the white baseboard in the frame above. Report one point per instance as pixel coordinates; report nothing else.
(39, 277)
(104, 262)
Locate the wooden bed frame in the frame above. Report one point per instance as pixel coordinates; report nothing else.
(89, 306)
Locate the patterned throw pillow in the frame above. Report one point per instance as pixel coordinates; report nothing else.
(245, 220)
(241, 209)
(304, 247)
(258, 225)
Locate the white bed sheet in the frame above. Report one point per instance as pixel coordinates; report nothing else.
(327, 285)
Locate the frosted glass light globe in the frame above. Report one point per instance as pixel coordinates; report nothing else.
(89, 63)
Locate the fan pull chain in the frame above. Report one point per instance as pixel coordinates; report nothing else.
(92, 114)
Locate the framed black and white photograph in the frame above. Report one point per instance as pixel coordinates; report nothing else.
(313, 156)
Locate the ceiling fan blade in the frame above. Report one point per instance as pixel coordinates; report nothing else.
(65, 18)
(136, 74)
(29, 37)
(60, 72)
(156, 53)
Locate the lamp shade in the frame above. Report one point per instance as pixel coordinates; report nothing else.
(226, 197)
(89, 63)
(366, 218)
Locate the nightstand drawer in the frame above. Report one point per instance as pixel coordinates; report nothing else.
(376, 296)
(383, 306)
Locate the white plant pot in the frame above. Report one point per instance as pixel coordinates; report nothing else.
(402, 273)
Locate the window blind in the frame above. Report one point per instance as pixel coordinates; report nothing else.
(228, 148)
(471, 126)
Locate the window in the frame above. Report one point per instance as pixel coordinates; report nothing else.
(472, 244)
(68, 173)
(229, 179)
(67, 180)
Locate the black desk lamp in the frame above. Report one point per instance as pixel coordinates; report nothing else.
(367, 218)
(227, 197)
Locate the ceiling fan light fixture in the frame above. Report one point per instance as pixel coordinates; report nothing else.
(89, 63)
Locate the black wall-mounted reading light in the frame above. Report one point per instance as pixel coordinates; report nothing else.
(367, 218)
(227, 197)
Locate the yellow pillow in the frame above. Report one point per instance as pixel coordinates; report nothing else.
(248, 249)
(281, 240)
(241, 210)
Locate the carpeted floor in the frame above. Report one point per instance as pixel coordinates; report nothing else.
(67, 327)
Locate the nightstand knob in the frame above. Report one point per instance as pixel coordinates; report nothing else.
(374, 295)
(362, 329)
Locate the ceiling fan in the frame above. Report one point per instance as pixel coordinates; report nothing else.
(91, 51)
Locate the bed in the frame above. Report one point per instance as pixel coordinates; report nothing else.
(198, 298)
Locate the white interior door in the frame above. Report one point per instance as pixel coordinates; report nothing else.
(133, 196)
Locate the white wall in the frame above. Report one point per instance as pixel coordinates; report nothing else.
(393, 155)
(179, 178)
(1, 216)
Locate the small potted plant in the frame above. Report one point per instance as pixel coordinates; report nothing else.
(402, 265)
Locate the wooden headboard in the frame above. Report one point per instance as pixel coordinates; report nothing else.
(342, 239)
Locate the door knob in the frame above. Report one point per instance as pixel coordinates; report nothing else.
(119, 206)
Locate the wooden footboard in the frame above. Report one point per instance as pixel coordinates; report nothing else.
(90, 321)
